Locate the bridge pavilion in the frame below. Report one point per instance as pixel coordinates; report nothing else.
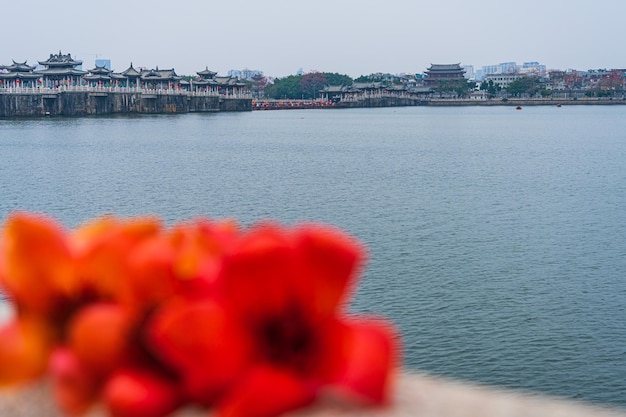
(19, 74)
(61, 71)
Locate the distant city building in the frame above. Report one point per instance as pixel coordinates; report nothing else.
(527, 68)
(502, 80)
(245, 74)
(507, 68)
(534, 68)
(469, 72)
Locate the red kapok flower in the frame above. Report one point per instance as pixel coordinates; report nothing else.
(288, 289)
(145, 318)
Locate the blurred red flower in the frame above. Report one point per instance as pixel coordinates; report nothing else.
(144, 318)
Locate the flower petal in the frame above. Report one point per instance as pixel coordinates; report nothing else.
(328, 263)
(37, 265)
(24, 350)
(266, 392)
(99, 335)
(370, 357)
(105, 248)
(74, 387)
(203, 345)
(140, 393)
(258, 274)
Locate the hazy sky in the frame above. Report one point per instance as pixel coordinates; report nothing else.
(351, 37)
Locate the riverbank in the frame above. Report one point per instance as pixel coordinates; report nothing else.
(393, 101)
(526, 102)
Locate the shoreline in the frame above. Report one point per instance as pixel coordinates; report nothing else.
(527, 102)
(392, 101)
(88, 103)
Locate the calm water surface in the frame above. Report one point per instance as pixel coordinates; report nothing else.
(497, 238)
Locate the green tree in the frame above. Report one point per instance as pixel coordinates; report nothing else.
(523, 86)
(304, 86)
(372, 78)
(338, 79)
(490, 87)
(286, 87)
(460, 87)
(311, 84)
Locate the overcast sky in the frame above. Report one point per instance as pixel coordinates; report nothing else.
(352, 37)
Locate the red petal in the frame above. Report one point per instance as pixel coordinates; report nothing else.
(149, 277)
(75, 388)
(105, 249)
(328, 262)
(134, 393)
(37, 267)
(24, 350)
(370, 356)
(204, 345)
(266, 392)
(98, 335)
(258, 274)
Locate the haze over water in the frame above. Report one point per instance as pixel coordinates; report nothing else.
(496, 237)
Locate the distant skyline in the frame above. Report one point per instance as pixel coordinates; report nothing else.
(349, 37)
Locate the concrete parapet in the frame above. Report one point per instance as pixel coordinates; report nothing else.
(414, 395)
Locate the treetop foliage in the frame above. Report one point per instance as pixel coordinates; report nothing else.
(306, 86)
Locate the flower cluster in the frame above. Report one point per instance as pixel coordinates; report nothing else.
(145, 318)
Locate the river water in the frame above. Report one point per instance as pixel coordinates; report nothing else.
(496, 237)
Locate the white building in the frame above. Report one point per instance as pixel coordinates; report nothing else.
(469, 72)
(502, 80)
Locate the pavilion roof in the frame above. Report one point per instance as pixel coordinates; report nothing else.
(334, 89)
(18, 76)
(367, 86)
(131, 71)
(206, 73)
(445, 67)
(227, 80)
(63, 71)
(396, 87)
(159, 75)
(203, 82)
(18, 67)
(420, 89)
(60, 60)
(100, 70)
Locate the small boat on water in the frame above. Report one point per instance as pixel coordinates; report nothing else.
(518, 108)
(558, 105)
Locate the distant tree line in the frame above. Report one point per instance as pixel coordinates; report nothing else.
(306, 86)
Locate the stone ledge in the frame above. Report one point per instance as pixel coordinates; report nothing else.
(415, 395)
